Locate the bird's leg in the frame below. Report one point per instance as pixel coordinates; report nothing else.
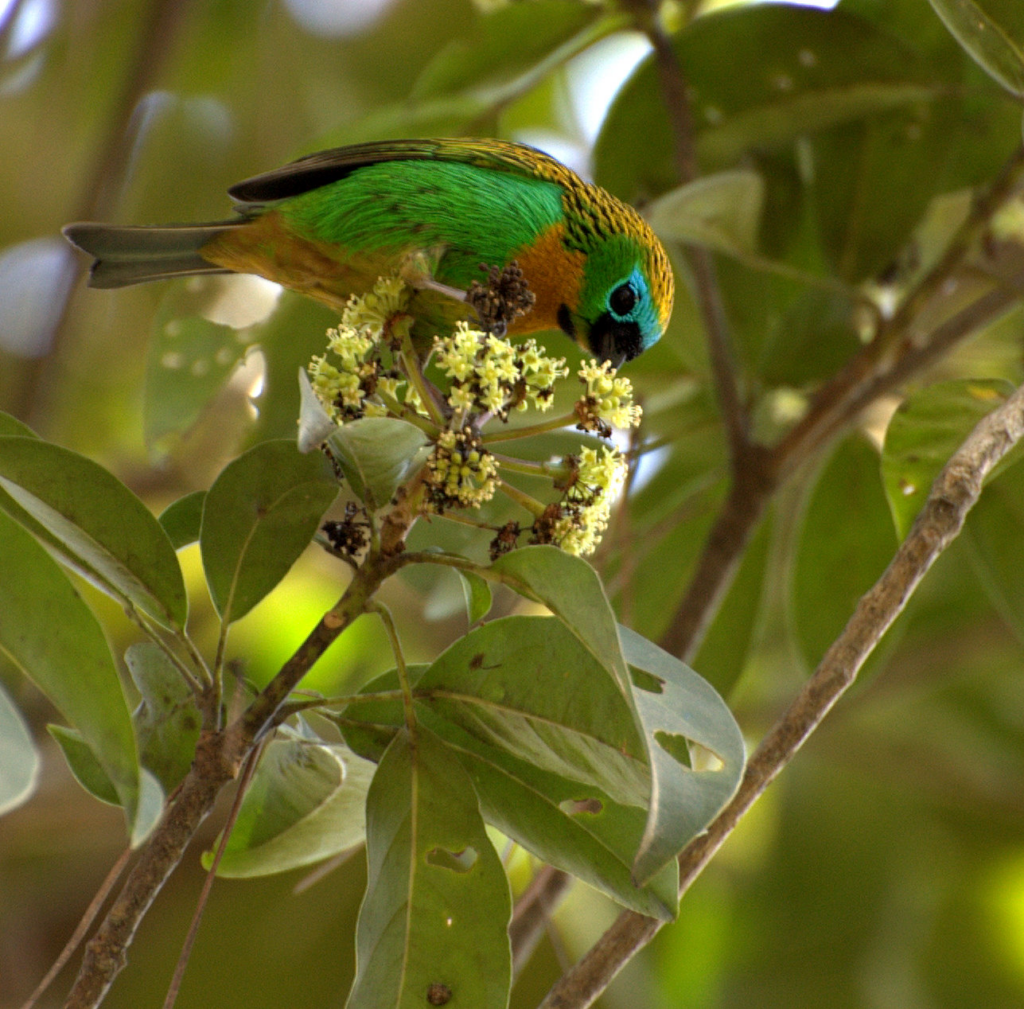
(417, 270)
(504, 297)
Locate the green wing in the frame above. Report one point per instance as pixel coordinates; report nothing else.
(316, 170)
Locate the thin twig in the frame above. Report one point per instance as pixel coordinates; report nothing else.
(716, 325)
(954, 492)
(83, 927)
(251, 762)
(533, 911)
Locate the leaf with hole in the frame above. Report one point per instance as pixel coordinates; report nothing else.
(526, 686)
(437, 904)
(697, 751)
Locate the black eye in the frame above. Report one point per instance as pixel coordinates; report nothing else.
(622, 300)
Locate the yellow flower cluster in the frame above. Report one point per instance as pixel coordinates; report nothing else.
(362, 375)
(375, 309)
(360, 384)
(461, 473)
(600, 474)
(491, 375)
(608, 401)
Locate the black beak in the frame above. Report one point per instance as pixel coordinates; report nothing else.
(613, 340)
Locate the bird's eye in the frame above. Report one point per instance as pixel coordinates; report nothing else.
(622, 300)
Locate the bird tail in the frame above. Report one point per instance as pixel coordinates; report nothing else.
(131, 255)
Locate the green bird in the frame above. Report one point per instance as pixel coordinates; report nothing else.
(433, 212)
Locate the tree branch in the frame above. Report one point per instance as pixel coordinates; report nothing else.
(954, 492)
(219, 756)
(701, 260)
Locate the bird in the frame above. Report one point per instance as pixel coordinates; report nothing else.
(433, 211)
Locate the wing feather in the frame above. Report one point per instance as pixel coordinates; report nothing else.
(324, 167)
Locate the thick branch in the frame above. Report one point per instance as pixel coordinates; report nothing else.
(702, 263)
(218, 759)
(953, 494)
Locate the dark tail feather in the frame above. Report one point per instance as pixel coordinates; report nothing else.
(131, 255)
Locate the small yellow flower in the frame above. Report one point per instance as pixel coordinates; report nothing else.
(360, 377)
(492, 375)
(577, 523)
(375, 309)
(461, 473)
(608, 400)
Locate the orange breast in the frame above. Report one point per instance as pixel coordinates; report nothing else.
(555, 275)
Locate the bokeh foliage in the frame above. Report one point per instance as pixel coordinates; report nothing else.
(886, 867)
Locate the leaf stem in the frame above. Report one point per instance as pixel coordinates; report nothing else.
(410, 362)
(511, 434)
(403, 673)
(531, 504)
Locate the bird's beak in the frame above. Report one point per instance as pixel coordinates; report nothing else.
(612, 340)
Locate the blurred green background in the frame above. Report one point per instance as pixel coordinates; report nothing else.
(885, 869)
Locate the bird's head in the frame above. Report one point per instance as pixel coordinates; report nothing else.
(625, 299)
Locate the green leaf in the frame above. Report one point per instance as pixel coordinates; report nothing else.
(84, 765)
(11, 426)
(376, 454)
(19, 758)
(182, 519)
(258, 517)
(189, 360)
(88, 772)
(845, 544)
(721, 211)
(525, 685)
(437, 903)
(574, 826)
(306, 802)
(994, 538)
(511, 42)
(53, 637)
(898, 157)
(929, 426)
(478, 595)
(505, 56)
(682, 715)
(570, 588)
(986, 41)
(99, 526)
(167, 720)
(578, 829)
(826, 67)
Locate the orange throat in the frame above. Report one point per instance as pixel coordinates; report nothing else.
(555, 275)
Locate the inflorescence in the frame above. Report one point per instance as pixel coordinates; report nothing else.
(371, 370)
